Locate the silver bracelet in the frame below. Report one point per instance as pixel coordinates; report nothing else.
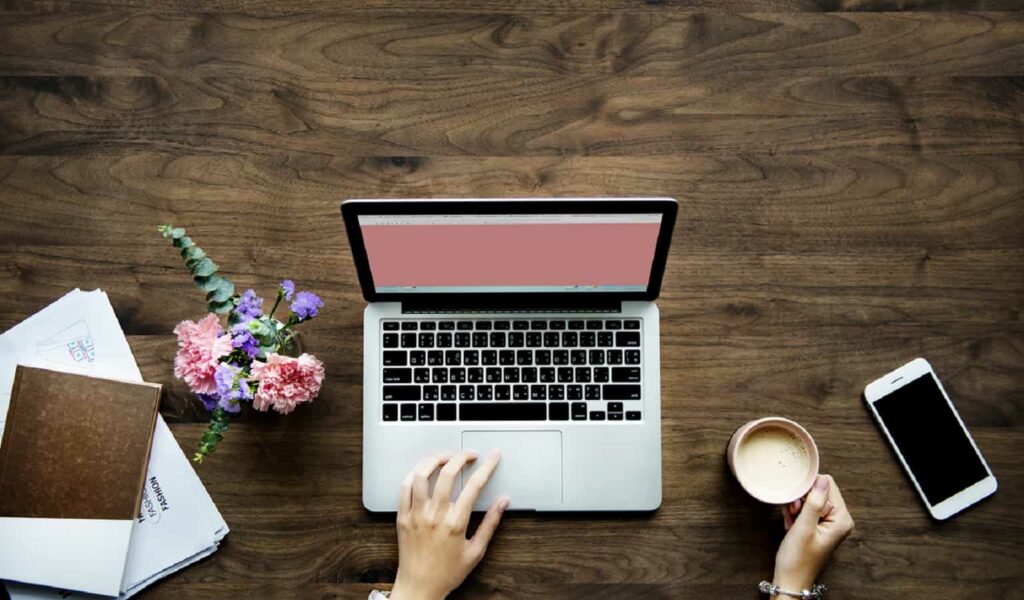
(817, 591)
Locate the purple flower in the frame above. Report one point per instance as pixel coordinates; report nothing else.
(306, 305)
(244, 340)
(248, 306)
(231, 386)
(209, 400)
(287, 289)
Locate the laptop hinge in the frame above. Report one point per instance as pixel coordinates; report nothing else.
(498, 305)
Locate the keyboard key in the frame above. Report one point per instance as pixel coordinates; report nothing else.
(594, 324)
(444, 340)
(633, 415)
(394, 358)
(502, 325)
(605, 339)
(507, 357)
(467, 392)
(426, 412)
(390, 340)
(462, 339)
(471, 357)
(601, 375)
(579, 411)
(570, 339)
(464, 325)
(484, 392)
(578, 357)
(538, 392)
(390, 326)
(428, 325)
(483, 325)
(408, 340)
(596, 357)
(588, 339)
(520, 325)
(615, 357)
(613, 324)
(558, 411)
(516, 339)
(565, 375)
(493, 374)
(614, 416)
(392, 375)
(576, 325)
(426, 340)
(457, 375)
(421, 375)
(557, 324)
(547, 374)
(621, 392)
(446, 412)
(520, 392)
(631, 324)
(538, 325)
(582, 374)
(632, 357)
(394, 393)
(503, 411)
(431, 392)
(446, 325)
(542, 357)
(511, 375)
(592, 392)
(435, 358)
(409, 325)
(614, 407)
(448, 392)
(452, 358)
(408, 412)
(475, 375)
(498, 339)
(502, 392)
(524, 358)
(625, 374)
(560, 357)
(479, 339)
(417, 358)
(391, 410)
(488, 357)
(534, 339)
(551, 339)
(627, 338)
(574, 392)
(556, 392)
(439, 375)
(597, 415)
(528, 374)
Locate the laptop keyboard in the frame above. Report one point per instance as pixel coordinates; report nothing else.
(511, 370)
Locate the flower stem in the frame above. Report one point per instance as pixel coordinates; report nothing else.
(214, 433)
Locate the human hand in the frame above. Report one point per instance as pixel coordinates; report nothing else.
(816, 526)
(434, 556)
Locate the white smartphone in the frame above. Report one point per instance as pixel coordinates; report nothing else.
(930, 439)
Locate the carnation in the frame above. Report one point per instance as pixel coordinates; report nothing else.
(200, 347)
(286, 382)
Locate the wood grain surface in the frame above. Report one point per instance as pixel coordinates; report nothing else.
(851, 184)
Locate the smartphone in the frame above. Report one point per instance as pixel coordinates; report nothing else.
(931, 441)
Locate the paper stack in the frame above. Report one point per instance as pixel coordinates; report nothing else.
(178, 523)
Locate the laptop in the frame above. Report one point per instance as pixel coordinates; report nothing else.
(522, 325)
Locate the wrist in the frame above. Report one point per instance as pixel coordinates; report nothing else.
(399, 591)
(794, 582)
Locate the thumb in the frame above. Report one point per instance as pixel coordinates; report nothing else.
(482, 538)
(814, 505)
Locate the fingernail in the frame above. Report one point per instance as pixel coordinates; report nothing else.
(495, 454)
(797, 504)
(503, 504)
(821, 484)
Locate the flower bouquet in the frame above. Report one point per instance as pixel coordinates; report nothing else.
(251, 358)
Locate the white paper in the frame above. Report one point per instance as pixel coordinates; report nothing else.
(178, 523)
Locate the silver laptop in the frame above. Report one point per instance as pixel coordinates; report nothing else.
(522, 325)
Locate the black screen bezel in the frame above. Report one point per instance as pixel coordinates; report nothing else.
(667, 207)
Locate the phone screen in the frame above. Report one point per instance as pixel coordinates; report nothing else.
(931, 439)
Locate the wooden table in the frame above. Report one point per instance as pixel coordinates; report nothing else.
(851, 197)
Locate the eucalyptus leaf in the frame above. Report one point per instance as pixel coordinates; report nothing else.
(208, 284)
(223, 293)
(182, 242)
(192, 253)
(204, 268)
(177, 232)
(220, 307)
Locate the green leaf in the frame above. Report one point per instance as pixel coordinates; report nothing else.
(220, 307)
(260, 328)
(223, 293)
(182, 242)
(204, 268)
(177, 232)
(192, 253)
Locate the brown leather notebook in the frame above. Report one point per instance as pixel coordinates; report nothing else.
(75, 447)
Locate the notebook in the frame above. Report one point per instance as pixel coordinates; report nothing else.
(72, 466)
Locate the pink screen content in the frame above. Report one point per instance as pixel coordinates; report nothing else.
(549, 252)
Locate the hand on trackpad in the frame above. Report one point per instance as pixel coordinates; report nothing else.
(530, 472)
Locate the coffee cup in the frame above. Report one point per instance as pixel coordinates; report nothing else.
(774, 459)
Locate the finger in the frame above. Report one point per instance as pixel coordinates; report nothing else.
(446, 480)
(840, 516)
(814, 504)
(482, 538)
(475, 485)
(405, 495)
(836, 496)
(421, 478)
(797, 505)
(787, 516)
(827, 511)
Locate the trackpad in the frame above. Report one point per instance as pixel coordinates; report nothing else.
(530, 471)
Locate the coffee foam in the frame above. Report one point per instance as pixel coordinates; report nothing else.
(772, 459)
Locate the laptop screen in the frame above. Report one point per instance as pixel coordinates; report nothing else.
(513, 253)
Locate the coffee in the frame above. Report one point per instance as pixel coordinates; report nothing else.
(772, 460)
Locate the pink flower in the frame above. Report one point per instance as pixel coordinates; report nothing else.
(286, 382)
(200, 347)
